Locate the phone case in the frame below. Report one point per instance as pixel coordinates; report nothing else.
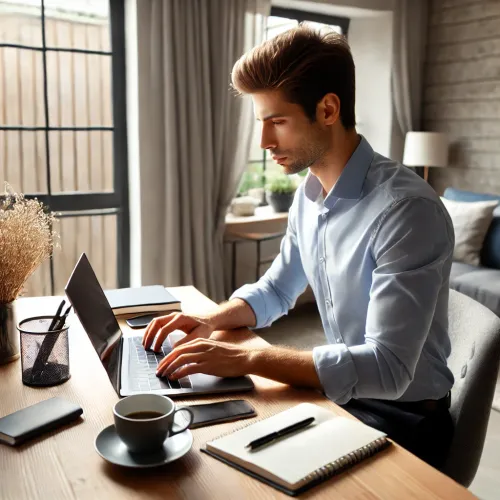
(37, 419)
(220, 412)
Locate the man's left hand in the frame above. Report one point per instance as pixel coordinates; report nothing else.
(206, 356)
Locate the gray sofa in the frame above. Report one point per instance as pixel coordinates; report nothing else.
(482, 283)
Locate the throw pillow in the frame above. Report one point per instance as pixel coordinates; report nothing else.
(471, 221)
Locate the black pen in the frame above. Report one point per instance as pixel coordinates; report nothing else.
(257, 443)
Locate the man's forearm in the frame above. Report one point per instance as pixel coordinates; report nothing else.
(233, 314)
(284, 365)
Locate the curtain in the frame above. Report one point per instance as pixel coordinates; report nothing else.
(410, 35)
(199, 136)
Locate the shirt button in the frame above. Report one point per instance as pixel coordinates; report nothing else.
(338, 341)
(328, 303)
(324, 216)
(322, 259)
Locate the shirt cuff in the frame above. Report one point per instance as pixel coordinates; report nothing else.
(336, 371)
(253, 297)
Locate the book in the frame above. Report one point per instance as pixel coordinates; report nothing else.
(37, 419)
(146, 299)
(299, 461)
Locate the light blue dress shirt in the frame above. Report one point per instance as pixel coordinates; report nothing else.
(377, 253)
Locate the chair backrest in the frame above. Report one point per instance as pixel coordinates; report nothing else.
(475, 341)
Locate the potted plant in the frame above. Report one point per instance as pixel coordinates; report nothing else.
(280, 190)
(26, 240)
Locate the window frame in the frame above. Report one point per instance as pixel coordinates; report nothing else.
(76, 204)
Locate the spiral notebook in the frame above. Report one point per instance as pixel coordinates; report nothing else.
(297, 462)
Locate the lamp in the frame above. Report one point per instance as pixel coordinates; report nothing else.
(426, 149)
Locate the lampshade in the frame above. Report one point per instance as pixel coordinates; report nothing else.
(426, 149)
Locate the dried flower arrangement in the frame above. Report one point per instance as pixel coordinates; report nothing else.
(27, 238)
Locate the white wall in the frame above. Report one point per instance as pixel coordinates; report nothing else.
(370, 39)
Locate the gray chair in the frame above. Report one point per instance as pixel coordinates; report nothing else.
(475, 356)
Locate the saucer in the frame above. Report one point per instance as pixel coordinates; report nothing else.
(109, 445)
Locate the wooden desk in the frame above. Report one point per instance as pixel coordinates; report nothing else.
(265, 220)
(63, 464)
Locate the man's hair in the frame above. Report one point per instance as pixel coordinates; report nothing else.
(305, 64)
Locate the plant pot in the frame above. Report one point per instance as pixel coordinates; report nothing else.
(9, 336)
(281, 202)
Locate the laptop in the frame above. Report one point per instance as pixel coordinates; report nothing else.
(132, 369)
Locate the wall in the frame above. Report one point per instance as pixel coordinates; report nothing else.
(462, 91)
(371, 44)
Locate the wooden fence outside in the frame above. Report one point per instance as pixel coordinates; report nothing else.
(79, 94)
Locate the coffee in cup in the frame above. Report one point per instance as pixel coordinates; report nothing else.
(145, 421)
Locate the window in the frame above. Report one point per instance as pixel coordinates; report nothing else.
(260, 165)
(63, 129)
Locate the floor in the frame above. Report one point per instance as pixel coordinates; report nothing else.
(302, 329)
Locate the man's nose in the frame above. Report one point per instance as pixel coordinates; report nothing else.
(267, 139)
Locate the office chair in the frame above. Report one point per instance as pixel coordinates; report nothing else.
(474, 361)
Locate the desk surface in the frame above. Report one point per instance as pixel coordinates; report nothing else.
(262, 214)
(63, 464)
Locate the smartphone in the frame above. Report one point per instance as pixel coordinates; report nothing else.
(223, 411)
(141, 321)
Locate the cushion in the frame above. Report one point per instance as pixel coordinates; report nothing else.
(479, 283)
(490, 253)
(471, 221)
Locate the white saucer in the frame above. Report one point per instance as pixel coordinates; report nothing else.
(113, 449)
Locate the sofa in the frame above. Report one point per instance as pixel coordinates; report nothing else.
(482, 282)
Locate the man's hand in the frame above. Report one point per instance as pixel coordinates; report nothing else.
(195, 327)
(206, 356)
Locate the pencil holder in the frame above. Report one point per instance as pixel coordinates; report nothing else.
(44, 353)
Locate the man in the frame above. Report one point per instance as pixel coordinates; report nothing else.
(369, 236)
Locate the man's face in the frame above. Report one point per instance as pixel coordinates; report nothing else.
(292, 139)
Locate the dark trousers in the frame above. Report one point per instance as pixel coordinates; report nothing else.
(424, 428)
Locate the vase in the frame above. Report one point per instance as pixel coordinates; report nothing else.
(280, 202)
(9, 336)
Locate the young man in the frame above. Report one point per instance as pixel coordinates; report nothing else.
(369, 236)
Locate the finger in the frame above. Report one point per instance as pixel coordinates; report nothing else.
(196, 345)
(191, 369)
(165, 369)
(177, 323)
(196, 333)
(153, 327)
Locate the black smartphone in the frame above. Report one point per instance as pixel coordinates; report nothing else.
(224, 411)
(141, 321)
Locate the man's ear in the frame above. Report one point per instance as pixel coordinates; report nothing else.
(328, 109)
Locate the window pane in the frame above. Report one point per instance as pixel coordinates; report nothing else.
(256, 152)
(321, 26)
(79, 90)
(252, 178)
(20, 22)
(23, 161)
(81, 161)
(279, 25)
(21, 87)
(96, 236)
(78, 24)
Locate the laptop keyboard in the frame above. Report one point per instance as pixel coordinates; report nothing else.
(144, 365)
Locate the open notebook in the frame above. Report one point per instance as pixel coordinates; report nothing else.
(301, 460)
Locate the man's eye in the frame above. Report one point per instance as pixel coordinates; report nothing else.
(278, 122)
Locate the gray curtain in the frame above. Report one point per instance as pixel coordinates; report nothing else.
(409, 41)
(199, 136)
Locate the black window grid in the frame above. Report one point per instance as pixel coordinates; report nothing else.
(91, 203)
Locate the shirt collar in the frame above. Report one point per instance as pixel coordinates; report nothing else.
(351, 180)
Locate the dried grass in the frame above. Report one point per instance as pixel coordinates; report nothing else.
(27, 238)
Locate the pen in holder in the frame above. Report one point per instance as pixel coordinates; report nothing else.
(44, 351)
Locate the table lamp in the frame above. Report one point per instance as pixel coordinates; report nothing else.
(426, 149)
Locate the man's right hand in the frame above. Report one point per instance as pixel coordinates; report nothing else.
(195, 328)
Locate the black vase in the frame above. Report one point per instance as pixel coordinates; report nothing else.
(281, 202)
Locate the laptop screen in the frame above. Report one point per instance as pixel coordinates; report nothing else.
(96, 316)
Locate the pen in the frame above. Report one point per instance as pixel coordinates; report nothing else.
(257, 443)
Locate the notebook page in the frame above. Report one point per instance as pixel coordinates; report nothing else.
(291, 459)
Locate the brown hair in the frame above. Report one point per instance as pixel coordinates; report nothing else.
(305, 64)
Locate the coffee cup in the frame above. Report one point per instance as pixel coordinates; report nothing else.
(144, 421)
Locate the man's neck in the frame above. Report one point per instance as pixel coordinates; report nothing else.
(333, 163)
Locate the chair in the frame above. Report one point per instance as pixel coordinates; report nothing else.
(474, 361)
